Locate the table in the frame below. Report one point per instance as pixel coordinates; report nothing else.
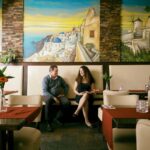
(110, 114)
(14, 119)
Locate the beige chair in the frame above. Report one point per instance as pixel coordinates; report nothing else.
(149, 96)
(27, 138)
(109, 92)
(124, 138)
(143, 134)
(106, 101)
(122, 100)
(23, 100)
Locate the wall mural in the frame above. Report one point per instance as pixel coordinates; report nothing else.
(61, 31)
(0, 25)
(135, 31)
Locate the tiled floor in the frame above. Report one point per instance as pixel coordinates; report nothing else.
(73, 136)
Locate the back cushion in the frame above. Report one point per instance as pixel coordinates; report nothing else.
(106, 93)
(68, 72)
(129, 77)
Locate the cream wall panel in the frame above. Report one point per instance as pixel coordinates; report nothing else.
(16, 82)
(129, 77)
(68, 72)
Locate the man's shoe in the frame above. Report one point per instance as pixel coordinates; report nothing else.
(49, 128)
(57, 123)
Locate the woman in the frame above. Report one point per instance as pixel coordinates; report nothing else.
(84, 88)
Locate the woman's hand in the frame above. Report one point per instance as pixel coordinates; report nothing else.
(82, 93)
(56, 100)
(94, 91)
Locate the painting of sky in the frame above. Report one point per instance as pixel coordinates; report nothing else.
(133, 9)
(46, 17)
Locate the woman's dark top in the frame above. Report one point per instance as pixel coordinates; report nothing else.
(82, 87)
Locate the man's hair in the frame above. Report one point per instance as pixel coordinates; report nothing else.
(52, 67)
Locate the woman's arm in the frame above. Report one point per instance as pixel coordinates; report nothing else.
(93, 89)
(75, 89)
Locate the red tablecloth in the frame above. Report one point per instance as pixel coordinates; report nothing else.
(27, 113)
(109, 114)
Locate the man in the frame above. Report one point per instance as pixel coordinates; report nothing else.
(54, 90)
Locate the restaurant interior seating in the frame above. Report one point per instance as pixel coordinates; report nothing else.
(106, 93)
(23, 100)
(27, 138)
(123, 100)
(123, 134)
(106, 101)
(143, 134)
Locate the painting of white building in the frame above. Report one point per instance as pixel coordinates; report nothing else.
(135, 31)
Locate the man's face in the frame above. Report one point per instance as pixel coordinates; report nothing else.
(54, 73)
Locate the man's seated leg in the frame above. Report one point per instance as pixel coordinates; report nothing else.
(49, 114)
(65, 108)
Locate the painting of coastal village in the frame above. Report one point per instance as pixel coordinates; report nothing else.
(61, 31)
(135, 46)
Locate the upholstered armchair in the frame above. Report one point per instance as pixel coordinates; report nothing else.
(143, 134)
(27, 138)
(106, 100)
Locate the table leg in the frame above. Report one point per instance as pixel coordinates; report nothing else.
(3, 140)
(10, 140)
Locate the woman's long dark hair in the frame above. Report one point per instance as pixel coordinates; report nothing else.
(88, 75)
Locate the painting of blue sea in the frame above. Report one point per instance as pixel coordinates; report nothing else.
(61, 31)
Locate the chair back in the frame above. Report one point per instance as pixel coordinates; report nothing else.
(142, 134)
(149, 96)
(23, 100)
(109, 92)
(123, 100)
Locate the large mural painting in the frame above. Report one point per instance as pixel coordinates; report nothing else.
(61, 31)
(135, 31)
(0, 25)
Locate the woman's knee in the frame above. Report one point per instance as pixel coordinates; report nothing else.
(86, 95)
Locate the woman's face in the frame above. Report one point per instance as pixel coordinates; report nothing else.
(82, 72)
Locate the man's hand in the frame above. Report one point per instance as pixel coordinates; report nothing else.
(61, 95)
(56, 100)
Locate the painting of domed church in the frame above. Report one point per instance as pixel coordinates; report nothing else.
(61, 31)
(135, 46)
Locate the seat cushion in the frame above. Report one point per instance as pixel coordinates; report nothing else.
(27, 138)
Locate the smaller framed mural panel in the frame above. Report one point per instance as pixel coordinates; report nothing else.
(135, 46)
